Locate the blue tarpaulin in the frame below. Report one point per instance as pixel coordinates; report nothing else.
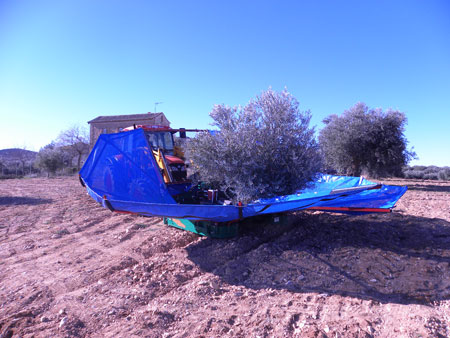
(122, 174)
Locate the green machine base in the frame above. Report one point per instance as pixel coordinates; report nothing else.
(205, 228)
(223, 229)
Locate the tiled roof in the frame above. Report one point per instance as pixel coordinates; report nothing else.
(118, 118)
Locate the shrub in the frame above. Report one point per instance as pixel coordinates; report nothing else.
(447, 171)
(431, 176)
(50, 158)
(414, 174)
(262, 150)
(365, 140)
(442, 175)
(432, 169)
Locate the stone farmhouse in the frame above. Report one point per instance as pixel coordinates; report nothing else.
(115, 123)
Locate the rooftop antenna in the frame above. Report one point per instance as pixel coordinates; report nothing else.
(156, 103)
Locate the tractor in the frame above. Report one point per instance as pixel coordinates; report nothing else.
(169, 157)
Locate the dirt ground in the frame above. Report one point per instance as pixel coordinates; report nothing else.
(69, 268)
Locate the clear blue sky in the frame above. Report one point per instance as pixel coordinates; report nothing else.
(66, 62)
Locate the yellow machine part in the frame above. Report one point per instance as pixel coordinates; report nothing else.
(159, 157)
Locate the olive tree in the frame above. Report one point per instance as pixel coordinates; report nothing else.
(261, 150)
(364, 140)
(50, 158)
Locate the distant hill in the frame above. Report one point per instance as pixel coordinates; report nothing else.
(16, 154)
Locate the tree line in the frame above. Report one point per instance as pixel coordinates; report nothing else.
(64, 155)
(267, 147)
(67, 151)
(17, 162)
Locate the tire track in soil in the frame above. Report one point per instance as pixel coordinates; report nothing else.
(82, 246)
(166, 283)
(123, 277)
(91, 284)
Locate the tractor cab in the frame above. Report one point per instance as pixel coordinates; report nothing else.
(166, 154)
(161, 140)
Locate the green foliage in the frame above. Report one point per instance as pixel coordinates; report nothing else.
(364, 140)
(16, 162)
(447, 171)
(442, 175)
(262, 150)
(414, 174)
(50, 159)
(432, 169)
(427, 172)
(430, 176)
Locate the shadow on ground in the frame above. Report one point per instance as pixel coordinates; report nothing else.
(17, 200)
(386, 258)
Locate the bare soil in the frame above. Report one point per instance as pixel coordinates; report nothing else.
(69, 268)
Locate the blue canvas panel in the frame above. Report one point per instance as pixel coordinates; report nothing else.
(385, 198)
(120, 166)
